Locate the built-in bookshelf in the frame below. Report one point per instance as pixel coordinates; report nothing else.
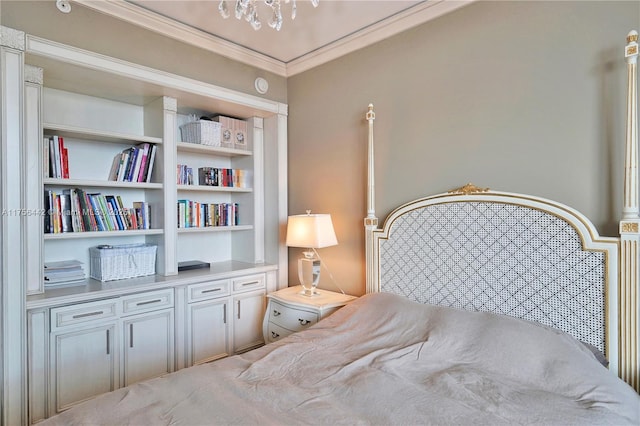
(102, 107)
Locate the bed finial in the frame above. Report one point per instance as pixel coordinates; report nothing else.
(468, 189)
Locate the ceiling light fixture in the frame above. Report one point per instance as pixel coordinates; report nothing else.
(249, 10)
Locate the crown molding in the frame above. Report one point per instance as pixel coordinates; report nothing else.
(414, 16)
(409, 18)
(154, 22)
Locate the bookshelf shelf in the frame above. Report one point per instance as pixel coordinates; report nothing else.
(97, 135)
(205, 149)
(100, 183)
(215, 229)
(204, 188)
(102, 234)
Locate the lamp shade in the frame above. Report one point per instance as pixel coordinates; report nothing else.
(310, 231)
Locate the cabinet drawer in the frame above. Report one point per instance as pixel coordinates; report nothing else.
(275, 332)
(291, 318)
(83, 313)
(208, 290)
(146, 302)
(252, 282)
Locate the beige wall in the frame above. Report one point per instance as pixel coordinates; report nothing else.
(516, 96)
(90, 30)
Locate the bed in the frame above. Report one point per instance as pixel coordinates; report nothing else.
(481, 307)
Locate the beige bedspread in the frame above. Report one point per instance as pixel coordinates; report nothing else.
(384, 360)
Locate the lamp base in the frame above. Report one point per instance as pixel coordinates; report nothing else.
(310, 293)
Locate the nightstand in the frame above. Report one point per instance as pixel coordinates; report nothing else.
(289, 311)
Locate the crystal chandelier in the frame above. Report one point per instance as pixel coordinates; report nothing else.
(249, 9)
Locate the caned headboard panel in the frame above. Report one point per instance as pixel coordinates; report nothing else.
(503, 253)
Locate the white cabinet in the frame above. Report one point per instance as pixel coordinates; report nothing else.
(148, 331)
(248, 311)
(84, 353)
(207, 321)
(99, 346)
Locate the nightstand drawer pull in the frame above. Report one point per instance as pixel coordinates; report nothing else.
(276, 313)
(304, 321)
(88, 314)
(250, 283)
(274, 335)
(211, 290)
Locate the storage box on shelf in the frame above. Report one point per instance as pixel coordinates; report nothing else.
(110, 263)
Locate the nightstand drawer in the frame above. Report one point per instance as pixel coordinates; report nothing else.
(275, 332)
(291, 318)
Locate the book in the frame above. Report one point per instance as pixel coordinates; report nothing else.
(151, 161)
(115, 165)
(45, 159)
(63, 264)
(65, 211)
(65, 161)
(141, 177)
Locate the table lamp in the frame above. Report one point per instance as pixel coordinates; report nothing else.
(310, 231)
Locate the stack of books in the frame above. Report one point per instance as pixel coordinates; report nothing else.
(63, 273)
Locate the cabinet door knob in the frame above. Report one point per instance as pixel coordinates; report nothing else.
(276, 313)
(303, 321)
(274, 334)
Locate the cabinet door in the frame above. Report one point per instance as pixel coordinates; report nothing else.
(248, 312)
(208, 331)
(148, 346)
(83, 364)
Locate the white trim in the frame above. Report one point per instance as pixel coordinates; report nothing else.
(169, 28)
(389, 27)
(61, 52)
(409, 18)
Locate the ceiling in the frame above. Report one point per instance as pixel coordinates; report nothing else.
(317, 35)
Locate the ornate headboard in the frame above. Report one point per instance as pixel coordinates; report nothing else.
(504, 253)
(519, 255)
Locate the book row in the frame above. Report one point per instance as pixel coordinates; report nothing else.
(134, 164)
(56, 158)
(74, 210)
(192, 214)
(212, 176)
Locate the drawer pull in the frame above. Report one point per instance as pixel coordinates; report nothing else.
(88, 314)
(130, 335)
(148, 302)
(224, 313)
(108, 340)
(211, 290)
(274, 335)
(303, 321)
(276, 313)
(250, 283)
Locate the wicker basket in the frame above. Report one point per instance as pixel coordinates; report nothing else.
(119, 262)
(202, 132)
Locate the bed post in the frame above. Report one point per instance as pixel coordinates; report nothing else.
(629, 358)
(371, 221)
